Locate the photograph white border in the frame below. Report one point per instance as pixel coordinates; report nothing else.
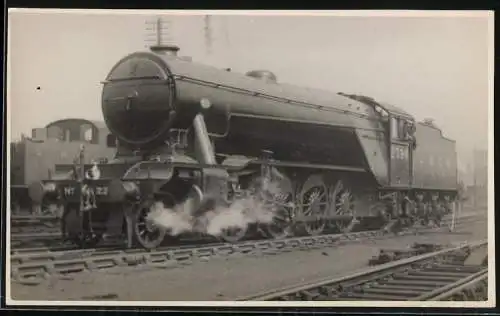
(380, 13)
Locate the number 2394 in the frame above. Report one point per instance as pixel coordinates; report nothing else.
(399, 153)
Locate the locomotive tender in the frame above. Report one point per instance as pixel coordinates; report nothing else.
(34, 159)
(196, 136)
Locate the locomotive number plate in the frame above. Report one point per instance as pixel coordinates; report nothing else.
(98, 190)
(399, 153)
(69, 191)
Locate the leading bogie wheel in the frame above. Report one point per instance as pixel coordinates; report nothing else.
(147, 232)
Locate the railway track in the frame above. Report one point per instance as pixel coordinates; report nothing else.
(35, 266)
(47, 241)
(40, 245)
(33, 223)
(30, 219)
(459, 274)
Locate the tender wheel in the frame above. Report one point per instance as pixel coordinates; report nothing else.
(421, 210)
(73, 230)
(449, 205)
(408, 214)
(343, 204)
(148, 234)
(453, 217)
(436, 213)
(313, 202)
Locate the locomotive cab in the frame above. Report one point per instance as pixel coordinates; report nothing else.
(401, 149)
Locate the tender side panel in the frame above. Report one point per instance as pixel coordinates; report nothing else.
(375, 150)
(435, 160)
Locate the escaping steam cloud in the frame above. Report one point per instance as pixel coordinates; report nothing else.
(250, 209)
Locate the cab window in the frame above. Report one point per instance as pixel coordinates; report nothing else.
(86, 134)
(55, 132)
(395, 128)
(401, 129)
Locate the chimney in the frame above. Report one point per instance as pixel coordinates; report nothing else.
(170, 50)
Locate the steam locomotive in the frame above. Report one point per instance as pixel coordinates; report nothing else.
(194, 139)
(34, 158)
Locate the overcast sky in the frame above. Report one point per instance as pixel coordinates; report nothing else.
(431, 66)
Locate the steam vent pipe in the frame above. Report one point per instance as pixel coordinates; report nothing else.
(201, 135)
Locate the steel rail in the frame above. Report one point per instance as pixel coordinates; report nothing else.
(19, 254)
(30, 236)
(60, 248)
(458, 287)
(27, 266)
(425, 277)
(15, 236)
(475, 290)
(19, 239)
(24, 267)
(30, 218)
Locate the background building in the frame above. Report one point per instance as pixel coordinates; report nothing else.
(479, 172)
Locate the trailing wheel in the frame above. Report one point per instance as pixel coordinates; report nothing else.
(313, 204)
(343, 204)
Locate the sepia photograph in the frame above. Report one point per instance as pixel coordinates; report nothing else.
(250, 158)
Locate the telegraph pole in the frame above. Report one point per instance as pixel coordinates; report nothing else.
(208, 33)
